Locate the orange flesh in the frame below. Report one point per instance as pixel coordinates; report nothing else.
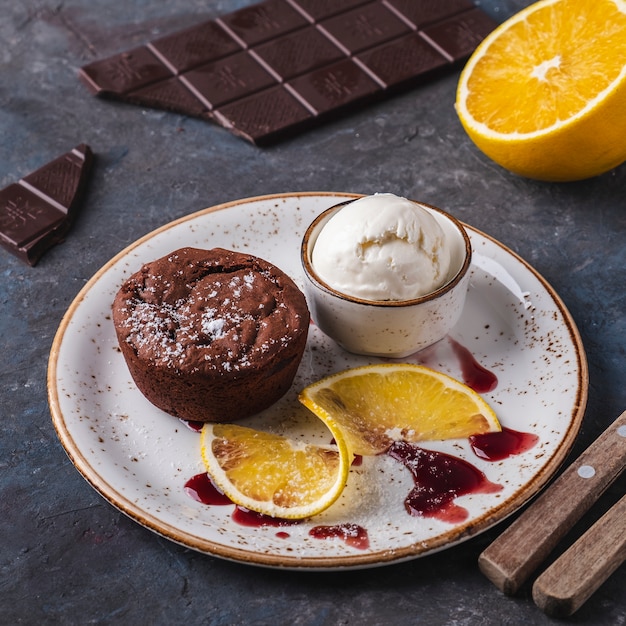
(548, 68)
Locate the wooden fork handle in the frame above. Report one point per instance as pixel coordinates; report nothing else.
(567, 584)
(523, 546)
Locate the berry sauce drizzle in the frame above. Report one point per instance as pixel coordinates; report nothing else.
(502, 445)
(353, 535)
(439, 479)
(475, 376)
(202, 489)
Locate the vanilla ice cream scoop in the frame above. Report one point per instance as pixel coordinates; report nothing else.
(382, 247)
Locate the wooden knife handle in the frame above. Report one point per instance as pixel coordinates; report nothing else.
(523, 546)
(566, 585)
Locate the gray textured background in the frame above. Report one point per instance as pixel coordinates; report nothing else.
(66, 555)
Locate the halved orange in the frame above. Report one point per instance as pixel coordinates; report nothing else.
(544, 94)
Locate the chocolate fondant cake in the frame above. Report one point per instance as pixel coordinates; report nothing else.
(211, 335)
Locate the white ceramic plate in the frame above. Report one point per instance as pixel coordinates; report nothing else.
(139, 458)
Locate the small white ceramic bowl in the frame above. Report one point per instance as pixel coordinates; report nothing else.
(389, 328)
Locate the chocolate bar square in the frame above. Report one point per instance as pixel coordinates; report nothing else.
(260, 22)
(194, 46)
(458, 36)
(404, 60)
(335, 86)
(264, 116)
(297, 53)
(225, 80)
(124, 72)
(364, 27)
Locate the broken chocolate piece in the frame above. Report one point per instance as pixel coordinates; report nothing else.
(38, 210)
(276, 67)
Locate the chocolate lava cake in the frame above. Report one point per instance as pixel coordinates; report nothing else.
(211, 335)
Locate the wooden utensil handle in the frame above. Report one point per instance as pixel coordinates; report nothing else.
(521, 548)
(565, 586)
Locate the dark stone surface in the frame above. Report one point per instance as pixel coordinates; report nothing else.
(66, 555)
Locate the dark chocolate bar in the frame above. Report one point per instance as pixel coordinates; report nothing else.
(38, 210)
(279, 66)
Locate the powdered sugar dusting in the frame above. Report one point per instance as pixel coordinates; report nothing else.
(212, 327)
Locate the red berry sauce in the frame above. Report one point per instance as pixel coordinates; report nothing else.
(501, 445)
(202, 489)
(475, 376)
(439, 479)
(353, 535)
